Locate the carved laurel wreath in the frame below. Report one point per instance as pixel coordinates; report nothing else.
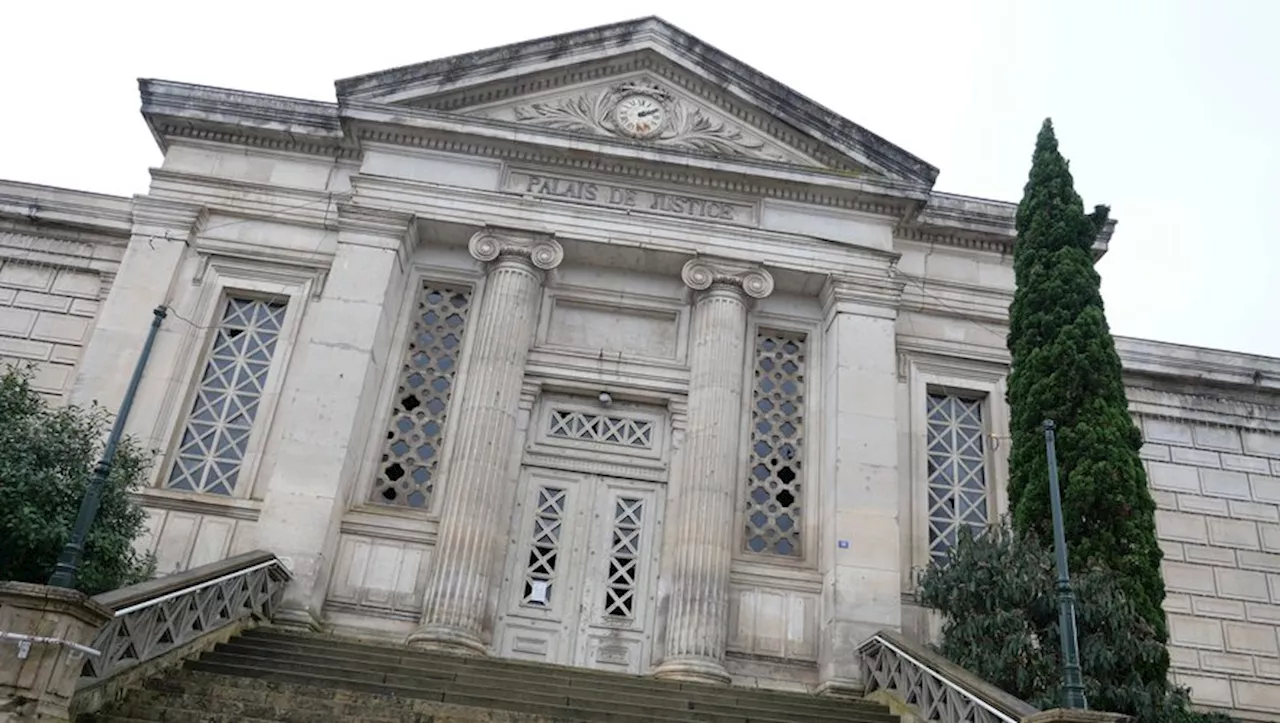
(688, 128)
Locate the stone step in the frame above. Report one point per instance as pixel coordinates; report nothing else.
(272, 675)
(638, 691)
(495, 668)
(304, 695)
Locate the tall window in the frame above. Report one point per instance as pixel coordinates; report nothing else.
(406, 472)
(216, 435)
(775, 475)
(957, 474)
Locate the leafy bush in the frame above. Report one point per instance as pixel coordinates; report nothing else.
(998, 598)
(47, 454)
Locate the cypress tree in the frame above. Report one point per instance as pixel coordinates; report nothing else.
(1065, 368)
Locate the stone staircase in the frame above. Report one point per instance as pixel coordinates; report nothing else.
(270, 675)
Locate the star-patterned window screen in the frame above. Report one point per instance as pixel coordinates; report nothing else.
(774, 473)
(957, 474)
(216, 436)
(415, 433)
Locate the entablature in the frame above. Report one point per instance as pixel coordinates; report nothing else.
(617, 238)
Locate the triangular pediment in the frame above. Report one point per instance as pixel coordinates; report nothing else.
(647, 83)
(646, 108)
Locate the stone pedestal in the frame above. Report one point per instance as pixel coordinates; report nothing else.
(458, 604)
(38, 678)
(705, 487)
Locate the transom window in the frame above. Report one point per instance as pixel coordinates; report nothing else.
(606, 429)
(411, 454)
(216, 435)
(957, 475)
(775, 472)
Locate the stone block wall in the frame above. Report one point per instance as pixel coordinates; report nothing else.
(46, 316)
(59, 252)
(1217, 489)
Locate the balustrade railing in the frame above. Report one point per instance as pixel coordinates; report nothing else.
(934, 688)
(163, 615)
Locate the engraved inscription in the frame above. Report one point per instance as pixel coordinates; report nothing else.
(605, 194)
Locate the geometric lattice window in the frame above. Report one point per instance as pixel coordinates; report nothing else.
(406, 472)
(548, 526)
(775, 474)
(624, 558)
(216, 435)
(625, 431)
(956, 471)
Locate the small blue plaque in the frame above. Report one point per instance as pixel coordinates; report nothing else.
(842, 544)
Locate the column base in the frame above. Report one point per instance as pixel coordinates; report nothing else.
(446, 639)
(692, 669)
(840, 688)
(297, 619)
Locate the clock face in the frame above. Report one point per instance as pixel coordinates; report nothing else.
(640, 116)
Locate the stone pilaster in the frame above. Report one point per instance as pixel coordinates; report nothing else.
(861, 566)
(326, 400)
(161, 232)
(457, 610)
(702, 525)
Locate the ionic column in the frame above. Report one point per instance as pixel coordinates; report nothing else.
(473, 515)
(703, 525)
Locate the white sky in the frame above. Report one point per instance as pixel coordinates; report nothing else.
(1169, 110)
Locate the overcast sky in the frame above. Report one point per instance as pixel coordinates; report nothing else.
(1169, 110)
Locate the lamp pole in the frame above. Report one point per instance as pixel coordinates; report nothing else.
(64, 573)
(1072, 684)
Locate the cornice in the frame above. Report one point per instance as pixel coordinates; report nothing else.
(255, 119)
(414, 126)
(1174, 366)
(655, 35)
(975, 223)
(64, 209)
(245, 199)
(944, 297)
(867, 290)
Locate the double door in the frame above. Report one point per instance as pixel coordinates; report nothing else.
(580, 577)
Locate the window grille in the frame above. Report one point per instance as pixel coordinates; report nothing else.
(215, 438)
(584, 426)
(775, 475)
(548, 528)
(406, 472)
(624, 558)
(957, 476)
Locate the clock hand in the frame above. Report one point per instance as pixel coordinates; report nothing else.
(644, 113)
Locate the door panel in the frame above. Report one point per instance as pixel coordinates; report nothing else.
(580, 577)
(616, 626)
(545, 559)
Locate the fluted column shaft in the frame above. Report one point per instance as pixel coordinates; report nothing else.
(706, 481)
(472, 521)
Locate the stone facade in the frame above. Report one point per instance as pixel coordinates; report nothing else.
(59, 251)
(605, 350)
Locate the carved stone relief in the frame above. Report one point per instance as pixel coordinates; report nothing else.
(641, 109)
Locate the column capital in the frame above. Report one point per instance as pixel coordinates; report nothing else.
(703, 273)
(867, 294)
(539, 249)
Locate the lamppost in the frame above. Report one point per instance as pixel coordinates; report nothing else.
(1072, 685)
(64, 573)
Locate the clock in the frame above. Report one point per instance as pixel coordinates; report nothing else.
(640, 116)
